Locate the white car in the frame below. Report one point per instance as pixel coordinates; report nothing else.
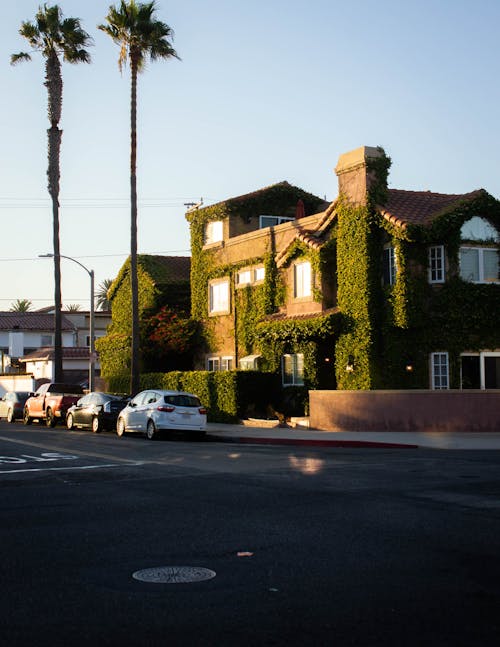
(153, 411)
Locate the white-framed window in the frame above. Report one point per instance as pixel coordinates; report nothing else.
(440, 371)
(213, 364)
(244, 277)
(436, 264)
(259, 273)
(480, 370)
(389, 265)
(292, 369)
(47, 340)
(272, 221)
(219, 296)
(214, 231)
(224, 363)
(479, 264)
(302, 286)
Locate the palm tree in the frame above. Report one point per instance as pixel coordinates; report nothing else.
(54, 36)
(73, 307)
(21, 305)
(103, 302)
(140, 36)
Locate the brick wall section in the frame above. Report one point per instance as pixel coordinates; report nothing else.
(471, 411)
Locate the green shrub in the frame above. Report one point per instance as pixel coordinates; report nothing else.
(228, 396)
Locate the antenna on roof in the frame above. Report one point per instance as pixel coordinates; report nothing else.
(192, 206)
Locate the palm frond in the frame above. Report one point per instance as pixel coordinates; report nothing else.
(19, 58)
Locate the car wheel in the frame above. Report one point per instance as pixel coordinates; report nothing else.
(26, 416)
(151, 430)
(96, 425)
(120, 427)
(10, 415)
(50, 420)
(70, 423)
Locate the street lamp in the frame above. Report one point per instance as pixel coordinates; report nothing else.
(91, 325)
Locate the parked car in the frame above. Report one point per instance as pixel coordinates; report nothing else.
(154, 411)
(96, 411)
(50, 402)
(12, 404)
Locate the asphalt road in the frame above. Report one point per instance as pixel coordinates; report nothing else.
(309, 547)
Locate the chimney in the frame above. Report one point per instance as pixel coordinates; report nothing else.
(363, 172)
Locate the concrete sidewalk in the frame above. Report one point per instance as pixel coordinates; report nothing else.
(302, 436)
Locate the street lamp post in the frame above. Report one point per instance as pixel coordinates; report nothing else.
(91, 323)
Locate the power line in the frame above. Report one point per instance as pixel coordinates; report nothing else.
(164, 253)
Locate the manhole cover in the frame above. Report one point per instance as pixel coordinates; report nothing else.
(174, 574)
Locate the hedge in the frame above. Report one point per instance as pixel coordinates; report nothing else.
(229, 396)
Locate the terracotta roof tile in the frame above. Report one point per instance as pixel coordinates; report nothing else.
(68, 352)
(420, 207)
(31, 321)
(166, 269)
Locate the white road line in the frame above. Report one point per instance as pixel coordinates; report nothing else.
(65, 469)
(58, 448)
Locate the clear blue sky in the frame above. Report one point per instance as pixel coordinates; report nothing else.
(266, 91)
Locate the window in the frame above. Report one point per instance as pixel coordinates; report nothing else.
(220, 363)
(436, 264)
(213, 232)
(479, 264)
(271, 221)
(302, 280)
(244, 277)
(219, 296)
(479, 229)
(259, 274)
(292, 368)
(250, 275)
(440, 371)
(389, 265)
(480, 370)
(226, 364)
(47, 340)
(213, 364)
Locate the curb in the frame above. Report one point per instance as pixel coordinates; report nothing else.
(301, 442)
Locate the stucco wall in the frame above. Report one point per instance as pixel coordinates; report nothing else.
(405, 410)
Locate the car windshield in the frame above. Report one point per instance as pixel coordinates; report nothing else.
(182, 400)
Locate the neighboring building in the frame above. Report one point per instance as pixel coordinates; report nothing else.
(24, 332)
(40, 364)
(381, 289)
(81, 322)
(163, 281)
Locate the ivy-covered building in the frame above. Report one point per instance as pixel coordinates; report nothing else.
(163, 281)
(381, 289)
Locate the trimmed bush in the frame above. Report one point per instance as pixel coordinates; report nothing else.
(228, 396)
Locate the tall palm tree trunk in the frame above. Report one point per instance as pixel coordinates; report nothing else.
(53, 82)
(135, 371)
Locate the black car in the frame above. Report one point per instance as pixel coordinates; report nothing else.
(12, 404)
(96, 411)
